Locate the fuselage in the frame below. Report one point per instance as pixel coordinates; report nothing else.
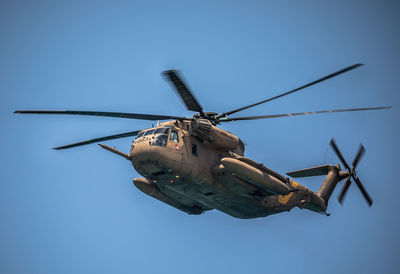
(188, 173)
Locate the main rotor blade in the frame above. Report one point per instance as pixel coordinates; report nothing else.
(344, 190)
(359, 155)
(293, 90)
(228, 119)
(363, 191)
(183, 91)
(115, 136)
(339, 154)
(138, 116)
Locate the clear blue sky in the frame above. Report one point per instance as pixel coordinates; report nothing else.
(77, 211)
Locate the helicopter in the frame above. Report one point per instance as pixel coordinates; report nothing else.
(193, 165)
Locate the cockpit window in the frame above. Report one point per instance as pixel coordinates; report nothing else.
(161, 135)
(161, 138)
(149, 132)
(174, 136)
(161, 130)
(140, 134)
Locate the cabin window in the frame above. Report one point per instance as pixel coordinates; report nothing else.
(194, 149)
(174, 136)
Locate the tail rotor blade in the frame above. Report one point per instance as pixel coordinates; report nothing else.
(363, 191)
(359, 155)
(339, 154)
(344, 190)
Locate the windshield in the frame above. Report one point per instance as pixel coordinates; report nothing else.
(161, 130)
(149, 132)
(140, 134)
(161, 138)
(161, 135)
(145, 133)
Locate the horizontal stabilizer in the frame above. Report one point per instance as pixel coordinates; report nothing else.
(312, 171)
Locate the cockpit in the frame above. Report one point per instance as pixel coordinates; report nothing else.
(159, 136)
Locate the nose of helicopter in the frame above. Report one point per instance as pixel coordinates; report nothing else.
(148, 159)
(140, 152)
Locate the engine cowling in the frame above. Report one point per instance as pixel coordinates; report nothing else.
(212, 135)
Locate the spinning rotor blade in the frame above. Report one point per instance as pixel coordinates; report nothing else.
(293, 90)
(363, 191)
(344, 190)
(339, 154)
(297, 114)
(115, 136)
(359, 155)
(352, 173)
(186, 95)
(138, 116)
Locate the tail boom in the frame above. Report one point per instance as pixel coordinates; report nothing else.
(319, 200)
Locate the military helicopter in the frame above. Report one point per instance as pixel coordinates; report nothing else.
(193, 165)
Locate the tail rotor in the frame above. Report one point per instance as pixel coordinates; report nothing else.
(352, 173)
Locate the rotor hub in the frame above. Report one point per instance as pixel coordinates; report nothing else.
(352, 172)
(210, 116)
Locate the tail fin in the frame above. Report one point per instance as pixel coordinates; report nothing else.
(334, 175)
